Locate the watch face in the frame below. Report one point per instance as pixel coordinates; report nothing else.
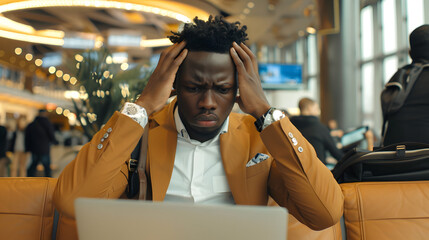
(277, 114)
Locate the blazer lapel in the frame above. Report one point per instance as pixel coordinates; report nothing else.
(162, 141)
(234, 149)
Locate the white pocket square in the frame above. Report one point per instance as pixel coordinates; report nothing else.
(259, 157)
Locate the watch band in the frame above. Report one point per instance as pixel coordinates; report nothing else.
(269, 117)
(259, 123)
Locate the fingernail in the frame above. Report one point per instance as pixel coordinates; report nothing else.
(233, 50)
(234, 43)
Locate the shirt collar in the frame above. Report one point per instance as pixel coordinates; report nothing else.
(181, 130)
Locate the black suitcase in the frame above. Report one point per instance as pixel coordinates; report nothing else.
(399, 162)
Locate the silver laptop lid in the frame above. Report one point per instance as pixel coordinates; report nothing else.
(130, 219)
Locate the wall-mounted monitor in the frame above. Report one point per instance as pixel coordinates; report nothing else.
(280, 76)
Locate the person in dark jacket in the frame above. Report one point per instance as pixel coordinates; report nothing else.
(411, 122)
(39, 135)
(4, 161)
(314, 131)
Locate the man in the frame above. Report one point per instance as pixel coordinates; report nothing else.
(198, 151)
(411, 122)
(39, 135)
(314, 131)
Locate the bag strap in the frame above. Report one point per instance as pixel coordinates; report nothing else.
(141, 169)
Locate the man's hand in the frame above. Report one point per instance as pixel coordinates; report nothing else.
(160, 83)
(252, 99)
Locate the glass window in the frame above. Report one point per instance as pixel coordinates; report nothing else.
(415, 16)
(368, 88)
(312, 54)
(300, 51)
(388, 9)
(367, 31)
(390, 66)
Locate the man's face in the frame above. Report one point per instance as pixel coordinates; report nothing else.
(206, 90)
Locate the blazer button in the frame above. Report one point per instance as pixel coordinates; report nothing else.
(294, 141)
(290, 135)
(109, 130)
(300, 149)
(99, 146)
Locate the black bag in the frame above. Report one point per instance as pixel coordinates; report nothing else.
(398, 162)
(398, 88)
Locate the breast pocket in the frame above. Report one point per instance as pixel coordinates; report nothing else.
(258, 168)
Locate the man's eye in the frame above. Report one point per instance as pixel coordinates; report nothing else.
(192, 89)
(223, 90)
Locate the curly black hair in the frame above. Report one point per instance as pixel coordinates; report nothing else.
(213, 35)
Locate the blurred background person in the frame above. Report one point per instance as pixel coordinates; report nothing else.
(314, 131)
(18, 168)
(4, 161)
(39, 136)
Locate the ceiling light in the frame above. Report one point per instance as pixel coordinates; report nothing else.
(162, 42)
(59, 110)
(21, 32)
(73, 80)
(29, 56)
(59, 73)
(52, 69)
(95, 4)
(18, 51)
(78, 57)
(311, 30)
(66, 77)
(124, 66)
(250, 4)
(246, 11)
(66, 112)
(38, 62)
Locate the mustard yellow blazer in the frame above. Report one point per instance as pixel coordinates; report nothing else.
(293, 175)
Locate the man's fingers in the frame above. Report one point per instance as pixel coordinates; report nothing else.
(244, 57)
(169, 54)
(237, 61)
(251, 55)
(181, 57)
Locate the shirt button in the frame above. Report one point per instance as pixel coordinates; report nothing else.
(109, 130)
(106, 135)
(99, 146)
(290, 135)
(300, 149)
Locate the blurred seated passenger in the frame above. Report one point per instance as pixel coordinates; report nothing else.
(411, 122)
(314, 131)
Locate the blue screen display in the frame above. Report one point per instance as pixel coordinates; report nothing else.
(280, 76)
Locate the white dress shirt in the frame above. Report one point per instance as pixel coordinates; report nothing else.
(198, 174)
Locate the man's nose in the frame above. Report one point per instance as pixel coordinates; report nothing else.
(207, 100)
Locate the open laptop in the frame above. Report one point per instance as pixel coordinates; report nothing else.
(129, 219)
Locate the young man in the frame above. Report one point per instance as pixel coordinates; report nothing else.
(200, 152)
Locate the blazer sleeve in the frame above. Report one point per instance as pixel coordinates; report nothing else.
(298, 180)
(99, 169)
